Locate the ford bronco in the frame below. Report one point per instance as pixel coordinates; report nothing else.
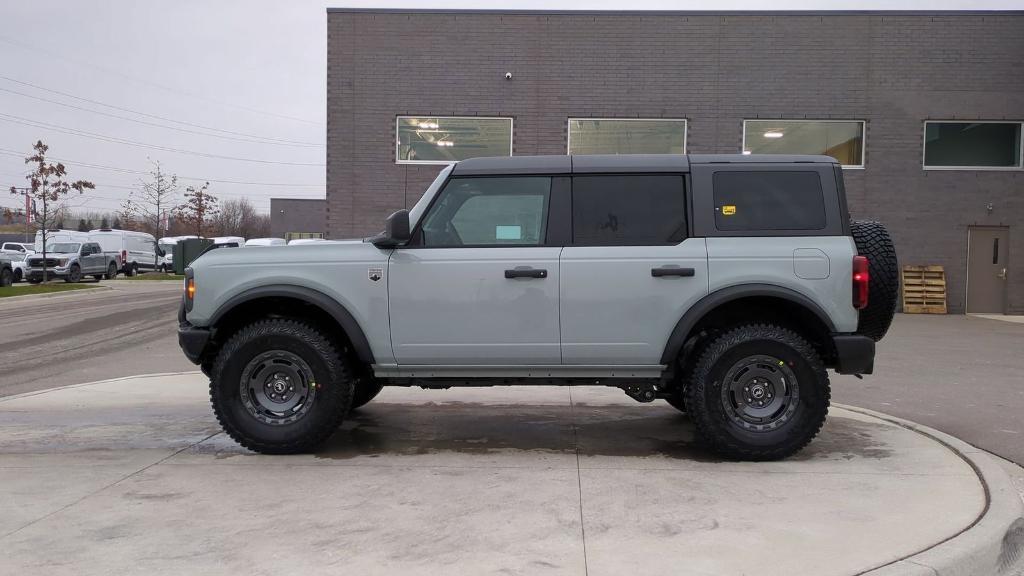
(725, 285)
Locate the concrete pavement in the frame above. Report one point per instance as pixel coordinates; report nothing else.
(134, 477)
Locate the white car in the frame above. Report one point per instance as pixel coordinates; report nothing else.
(17, 248)
(134, 251)
(19, 265)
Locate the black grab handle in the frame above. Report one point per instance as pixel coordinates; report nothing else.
(526, 273)
(671, 271)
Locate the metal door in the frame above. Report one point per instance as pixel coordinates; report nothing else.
(987, 269)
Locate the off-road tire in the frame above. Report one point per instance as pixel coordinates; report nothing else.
(706, 404)
(333, 386)
(676, 400)
(873, 241)
(366, 389)
(6, 278)
(111, 271)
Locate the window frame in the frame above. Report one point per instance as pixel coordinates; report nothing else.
(553, 217)
(863, 135)
(687, 209)
(568, 128)
(1020, 146)
(398, 141)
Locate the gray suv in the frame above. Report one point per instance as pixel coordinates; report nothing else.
(725, 285)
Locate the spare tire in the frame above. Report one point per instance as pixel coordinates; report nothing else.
(873, 241)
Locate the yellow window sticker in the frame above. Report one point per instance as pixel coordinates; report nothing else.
(728, 210)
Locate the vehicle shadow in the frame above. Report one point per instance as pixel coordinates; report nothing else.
(611, 430)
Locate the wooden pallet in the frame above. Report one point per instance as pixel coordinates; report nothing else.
(924, 290)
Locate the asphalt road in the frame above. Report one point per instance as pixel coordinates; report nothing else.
(960, 374)
(126, 330)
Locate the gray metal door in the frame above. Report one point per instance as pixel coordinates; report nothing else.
(987, 269)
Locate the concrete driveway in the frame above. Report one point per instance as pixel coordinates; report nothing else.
(134, 477)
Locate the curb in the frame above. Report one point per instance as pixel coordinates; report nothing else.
(95, 382)
(992, 545)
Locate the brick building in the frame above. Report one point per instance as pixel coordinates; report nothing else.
(293, 218)
(924, 109)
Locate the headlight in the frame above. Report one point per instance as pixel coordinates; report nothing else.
(62, 262)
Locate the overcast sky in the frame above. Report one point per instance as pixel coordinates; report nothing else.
(229, 91)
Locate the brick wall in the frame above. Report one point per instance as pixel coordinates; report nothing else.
(297, 215)
(892, 70)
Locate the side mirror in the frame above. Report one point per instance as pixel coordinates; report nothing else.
(396, 231)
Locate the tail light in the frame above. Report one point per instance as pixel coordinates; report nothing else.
(124, 257)
(860, 282)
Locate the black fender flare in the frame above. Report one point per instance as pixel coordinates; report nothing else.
(316, 298)
(681, 332)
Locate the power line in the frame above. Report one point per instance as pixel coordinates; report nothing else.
(36, 50)
(9, 152)
(113, 139)
(250, 139)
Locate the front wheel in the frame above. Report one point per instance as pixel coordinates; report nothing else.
(74, 275)
(758, 392)
(280, 387)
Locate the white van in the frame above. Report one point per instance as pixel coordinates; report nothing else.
(59, 235)
(266, 242)
(134, 251)
(228, 241)
(165, 263)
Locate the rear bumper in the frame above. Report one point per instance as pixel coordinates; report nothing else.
(193, 341)
(855, 354)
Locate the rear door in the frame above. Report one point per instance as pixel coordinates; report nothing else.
(630, 272)
(478, 283)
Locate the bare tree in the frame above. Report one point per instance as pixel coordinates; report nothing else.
(153, 201)
(199, 207)
(238, 217)
(49, 185)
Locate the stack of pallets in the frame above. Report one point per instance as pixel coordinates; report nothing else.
(924, 290)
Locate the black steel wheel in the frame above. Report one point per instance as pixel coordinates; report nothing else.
(757, 392)
(279, 386)
(18, 276)
(74, 274)
(111, 271)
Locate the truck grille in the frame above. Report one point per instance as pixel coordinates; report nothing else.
(38, 262)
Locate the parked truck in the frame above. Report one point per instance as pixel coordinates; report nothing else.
(71, 261)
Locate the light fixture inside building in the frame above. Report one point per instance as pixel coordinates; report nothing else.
(746, 152)
(773, 134)
(428, 125)
(445, 143)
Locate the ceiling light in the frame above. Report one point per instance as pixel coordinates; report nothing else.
(445, 143)
(746, 152)
(428, 125)
(773, 134)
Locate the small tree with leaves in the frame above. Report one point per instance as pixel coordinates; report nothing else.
(49, 186)
(199, 206)
(153, 201)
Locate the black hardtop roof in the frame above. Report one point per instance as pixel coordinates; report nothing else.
(604, 163)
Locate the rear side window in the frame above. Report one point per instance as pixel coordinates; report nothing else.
(775, 200)
(628, 210)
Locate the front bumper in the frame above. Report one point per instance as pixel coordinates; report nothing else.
(193, 341)
(37, 273)
(855, 354)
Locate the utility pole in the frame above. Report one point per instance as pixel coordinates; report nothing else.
(28, 210)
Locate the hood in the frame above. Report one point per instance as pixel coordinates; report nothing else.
(312, 254)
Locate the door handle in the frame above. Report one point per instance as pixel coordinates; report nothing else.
(671, 271)
(526, 272)
(1002, 274)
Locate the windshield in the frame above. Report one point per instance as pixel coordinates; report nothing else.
(64, 247)
(168, 248)
(417, 210)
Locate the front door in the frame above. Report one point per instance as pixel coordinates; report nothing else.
(477, 285)
(630, 272)
(987, 269)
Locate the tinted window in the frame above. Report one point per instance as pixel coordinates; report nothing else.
(628, 210)
(972, 144)
(768, 201)
(489, 211)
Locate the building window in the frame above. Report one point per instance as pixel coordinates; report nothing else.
(972, 145)
(626, 136)
(840, 139)
(443, 140)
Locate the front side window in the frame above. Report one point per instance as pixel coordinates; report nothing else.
(972, 145)
(754, 201)
(840, 139)
(628, 210)
(626, 136)
(489, 212)
(440, 140)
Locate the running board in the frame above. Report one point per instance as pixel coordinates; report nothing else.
(596, 372)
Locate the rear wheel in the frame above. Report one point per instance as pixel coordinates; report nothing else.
(758, 392)
(873, 241)
(280, 387)
(6, 277)
(111, 271)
